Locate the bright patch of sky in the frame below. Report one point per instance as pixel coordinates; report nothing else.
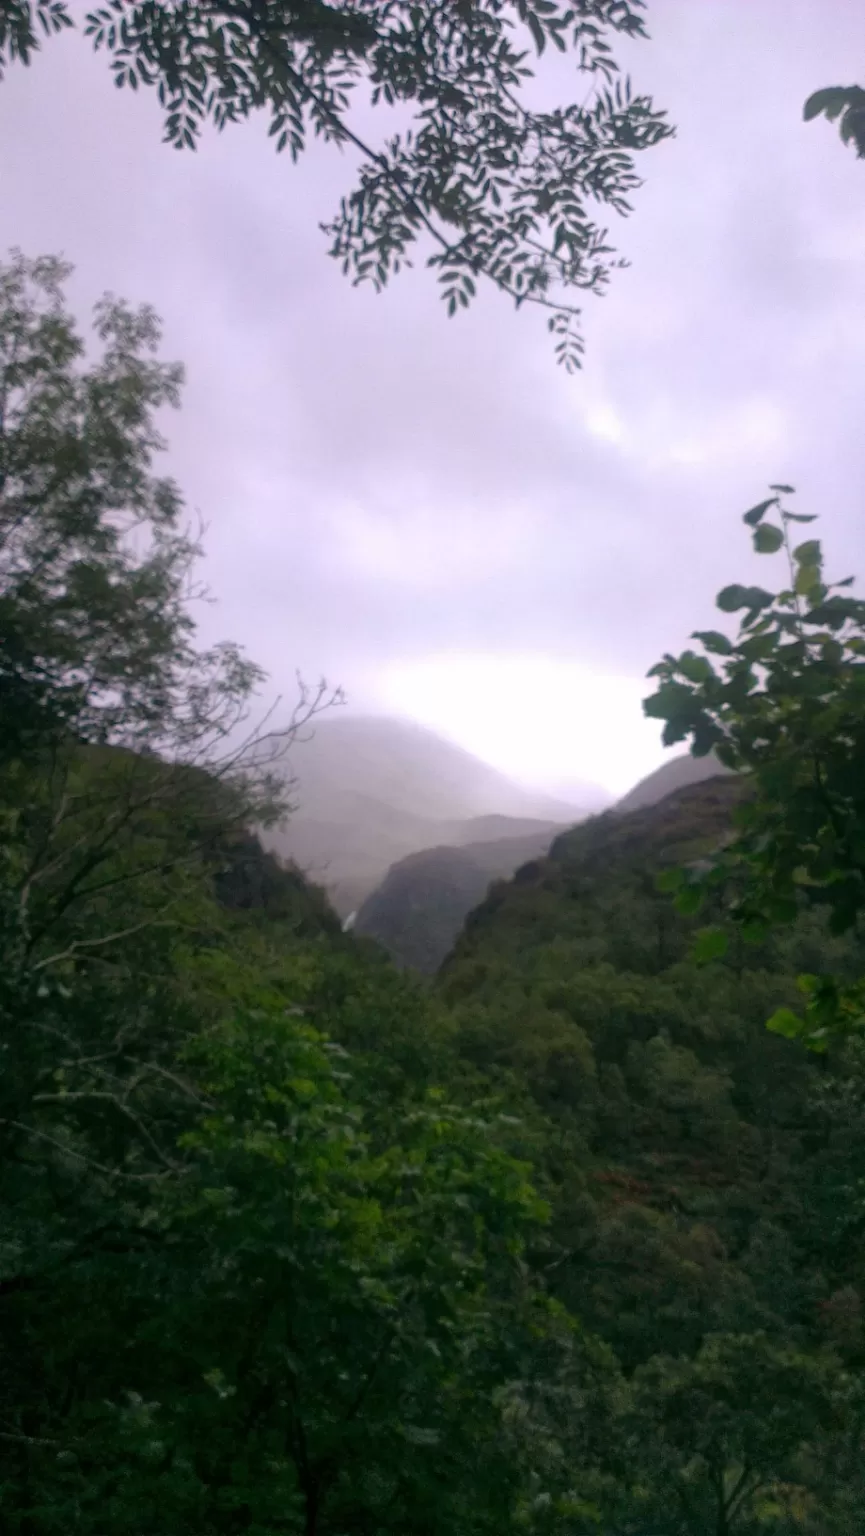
(548, 722)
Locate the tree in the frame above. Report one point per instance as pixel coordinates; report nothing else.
(487, 185)
(116, 726)
(785, 705)
(96, 580)
(323, 1325)
(128, 776)
(720, 1438)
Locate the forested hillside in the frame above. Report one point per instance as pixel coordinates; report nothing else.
(417, 911)
(700, 1172)
(419, 908)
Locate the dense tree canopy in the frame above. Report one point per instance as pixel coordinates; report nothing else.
(481, 181)
(701, 1173)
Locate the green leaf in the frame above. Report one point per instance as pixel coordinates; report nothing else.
(755, 931)
(730, 599)
(537, 31)
(752, 518)
(705, 734)
(830, 101)
(807, 578)
(787, 1023)
(799, 517)
(757, 647)
(689, 900)
(785, 490)
(670, 700)
(808, 553)
(695, 668)
(768, 539)
(726, 753)
(709, 944)
(714, 641)
(670, 880)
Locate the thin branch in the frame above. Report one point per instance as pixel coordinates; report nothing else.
(85, 1096)
(67, 1151)
(106, 938)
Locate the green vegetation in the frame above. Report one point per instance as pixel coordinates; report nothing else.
(487, 186)
(701, 1172)
(565, 1243)
(844, 104)
(264, 1260)
(418, 910)
(784, 704)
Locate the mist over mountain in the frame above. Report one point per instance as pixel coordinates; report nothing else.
(676, 774)
(370, 790)
(417, 911)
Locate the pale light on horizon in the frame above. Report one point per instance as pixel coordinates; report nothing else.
(552, 724)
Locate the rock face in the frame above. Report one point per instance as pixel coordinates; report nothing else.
(369, 791)
(419, 909)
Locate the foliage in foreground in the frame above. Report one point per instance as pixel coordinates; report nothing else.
(306, 1321)
(785, 704)
(487, 186)
(844, 104)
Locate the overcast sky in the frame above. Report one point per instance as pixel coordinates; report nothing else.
(430, 512)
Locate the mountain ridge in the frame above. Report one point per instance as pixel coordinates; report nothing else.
(370, 790)
(418, 909)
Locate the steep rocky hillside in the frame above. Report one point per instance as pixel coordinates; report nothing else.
(419, 908)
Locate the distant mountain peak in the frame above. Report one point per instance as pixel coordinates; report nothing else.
(371, 789)
(672, 775)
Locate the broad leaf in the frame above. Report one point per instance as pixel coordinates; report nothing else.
(714, 641)
(768, 539)
(830, 101)
(709, 944)
(787, 1023)
(754, 516)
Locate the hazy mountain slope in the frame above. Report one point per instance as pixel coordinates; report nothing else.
(669, 777)
(497, 829)
(371, 790)
(408, 768)
(419, 908)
